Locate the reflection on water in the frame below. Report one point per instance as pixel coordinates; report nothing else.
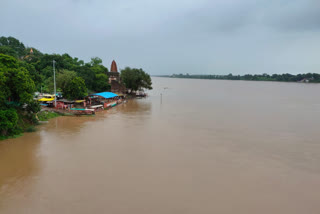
(134, 107)
(204, 147)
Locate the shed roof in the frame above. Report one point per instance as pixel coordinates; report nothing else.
(106, 94)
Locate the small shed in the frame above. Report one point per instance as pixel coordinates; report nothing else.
(106, 95)
(101, 98)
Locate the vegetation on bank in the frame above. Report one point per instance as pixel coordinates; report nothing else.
(17, 107)
(309, 77)
(46, 115)
(25, 125)
(25, 70)
(11, 136)
(135, 79)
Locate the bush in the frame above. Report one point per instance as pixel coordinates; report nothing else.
(31, 129)
(46, 115)
(8, 122)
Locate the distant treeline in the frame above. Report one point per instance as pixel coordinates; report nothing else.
(309, 77)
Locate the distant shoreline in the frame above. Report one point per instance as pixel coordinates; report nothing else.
(299, 78)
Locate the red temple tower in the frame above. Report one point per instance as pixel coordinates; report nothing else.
(114, 67)
(114, 79)
(114, 74)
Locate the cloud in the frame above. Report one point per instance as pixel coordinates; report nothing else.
(295, 16)
(188, 36)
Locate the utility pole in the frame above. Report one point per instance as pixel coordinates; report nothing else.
(54, 79)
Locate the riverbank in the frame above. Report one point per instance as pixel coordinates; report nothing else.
(46, 113)
(27, 125)
(10, 137)
(301, 78)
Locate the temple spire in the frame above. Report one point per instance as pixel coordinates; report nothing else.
(114, 67)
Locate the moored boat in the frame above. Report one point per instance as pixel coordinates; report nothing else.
(46, 98)
(79, 111)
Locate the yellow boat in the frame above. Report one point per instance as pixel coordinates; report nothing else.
(46, 98)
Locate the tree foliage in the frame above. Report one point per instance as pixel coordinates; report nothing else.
(16, 92)
(310, 77)
(8, 122)
(4, 89)
(17, 83)
(101, 83)
(95, 61)
(135, 79)
(87, 74)
(63, 78)
(76, 89)
(12, 46)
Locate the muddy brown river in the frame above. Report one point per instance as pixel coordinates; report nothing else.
(203, 147)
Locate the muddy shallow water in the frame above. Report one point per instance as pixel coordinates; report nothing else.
(204, 146)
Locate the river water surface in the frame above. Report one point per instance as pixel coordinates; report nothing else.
(206, 146)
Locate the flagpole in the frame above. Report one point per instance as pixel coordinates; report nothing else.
(54, 79)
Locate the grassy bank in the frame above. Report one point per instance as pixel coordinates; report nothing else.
(25, 124)
(46, 115)
(9, 137)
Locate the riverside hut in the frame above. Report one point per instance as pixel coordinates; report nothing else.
(102, 100)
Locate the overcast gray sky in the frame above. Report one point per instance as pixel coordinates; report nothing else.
(174, 36)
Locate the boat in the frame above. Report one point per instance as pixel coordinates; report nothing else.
(140, 94)
(46, 98)
(109, 105)
(82, 111)
(96, 107)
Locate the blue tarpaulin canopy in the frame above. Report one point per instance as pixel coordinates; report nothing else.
(106, 94)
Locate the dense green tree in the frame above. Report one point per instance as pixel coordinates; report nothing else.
(78, 62)
(34, 74)
(14, 44)
(76, 89)
(63, 78)
(16, 95)
(135, 79)
(21, 85)
(8, 122)
(87, 74)
(18, 85)
(4, 89)
(47, 72)
(8, 61)
(45, 65)
(101, 83)
(99, 69)
(8, 51)
(95, 61)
